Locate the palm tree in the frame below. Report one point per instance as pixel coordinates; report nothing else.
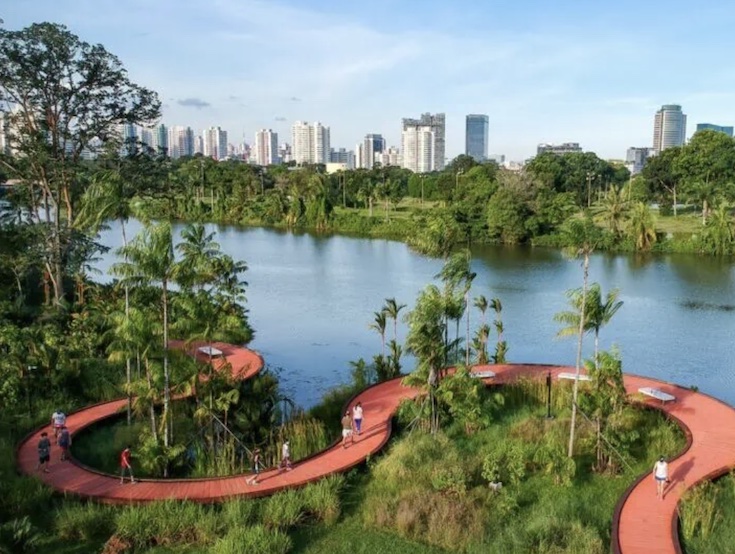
(391, 310)
(613, 209)
(457, 272)
(379, 325)
(598, 313)
(425, 340)
(719, 234)
(641, 227)
(150, 259)
(481, 304)
(198, 252)
(501, 348)
(109, 197)
(582, 236)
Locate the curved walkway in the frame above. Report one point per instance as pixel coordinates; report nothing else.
(641, 524)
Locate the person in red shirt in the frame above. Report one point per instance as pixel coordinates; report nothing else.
(125, 465)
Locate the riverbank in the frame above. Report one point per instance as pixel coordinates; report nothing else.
(430, 228)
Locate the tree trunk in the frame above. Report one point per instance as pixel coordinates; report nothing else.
(674, 195)
(154, 425)
(467, 307)
(166, 377)
(597, 348)
(704, 212)
(128, 376)
(570, 452)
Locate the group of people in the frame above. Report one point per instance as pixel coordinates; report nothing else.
(352, 424)
(62, 438)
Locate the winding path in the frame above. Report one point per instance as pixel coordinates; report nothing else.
(642, 524)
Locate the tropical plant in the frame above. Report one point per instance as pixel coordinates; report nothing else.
(641, 227)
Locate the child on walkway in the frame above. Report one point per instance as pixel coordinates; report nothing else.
(125, 465)
(286, 456)
(256, 468)
(44, 452)
(64, 443)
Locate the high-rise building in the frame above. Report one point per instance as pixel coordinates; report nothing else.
(711, 127)
(636, 157)
(146, 137)
(180, 142)
(343, 156)
(669, 128)
(285, 153)
(558, 149)
(366, 151)
(310, 143)
(423, 143)
(159, 139)
(390, 156)
(475, 137)
(214, 142)
(266, 147)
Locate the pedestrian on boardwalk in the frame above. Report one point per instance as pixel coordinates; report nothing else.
(44, 452)
(357, 417)
(64, 443)
(256, 468)
(661, 476)
(58, 420)
(347, 429)
(125, 465)
(286, 456)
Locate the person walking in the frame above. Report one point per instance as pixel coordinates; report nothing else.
(64, 441)
(125, 465)
(58, 420)
(661, 476)
(256, 468)
(286, 456)
(357, 417)
(44, 452)
(346, 429)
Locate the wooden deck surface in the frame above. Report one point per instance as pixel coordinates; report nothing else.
(642, 523)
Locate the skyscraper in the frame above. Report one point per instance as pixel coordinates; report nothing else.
(310, 143)
(215, 143)
(475, 138)
(711, 127)
(423, 143)
(366, 151)
(636, 157)
(180, 142)
(669, 127)
(160, 140)
(266, 147)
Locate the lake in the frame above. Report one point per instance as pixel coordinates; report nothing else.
(311, 301)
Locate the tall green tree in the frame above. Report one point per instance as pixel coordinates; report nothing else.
(583, 236)
(61, 97)
(150, 260)
(391, 309)
(642, 227)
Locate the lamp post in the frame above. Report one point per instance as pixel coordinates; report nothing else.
(590, 177)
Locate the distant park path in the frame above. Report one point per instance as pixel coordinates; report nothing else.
(642, 524)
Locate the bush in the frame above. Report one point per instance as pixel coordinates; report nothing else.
(283, 510)
(239, 511)
(506, 462)
(252, 540)
(19, 535)
(450, 480)
(84, 522)
(321, 499)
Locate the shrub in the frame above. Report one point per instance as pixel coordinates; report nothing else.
(239, 511)
(506, 462)
(19, 535)
(253, 540)
(450, 480)
(283, 510)
(84, 522)
(321, 499)
(699, 512)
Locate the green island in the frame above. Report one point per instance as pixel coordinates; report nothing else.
(68, 341)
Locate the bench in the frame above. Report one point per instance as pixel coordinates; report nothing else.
(572, 376)
(483, 374)
(657, 394)
(210, 351)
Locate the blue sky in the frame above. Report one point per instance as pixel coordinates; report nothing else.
(592, 72)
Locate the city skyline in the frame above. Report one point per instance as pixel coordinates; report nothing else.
(539, 73)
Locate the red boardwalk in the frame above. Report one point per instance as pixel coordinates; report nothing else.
(643, 524)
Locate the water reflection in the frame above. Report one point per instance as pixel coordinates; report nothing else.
(312, 298)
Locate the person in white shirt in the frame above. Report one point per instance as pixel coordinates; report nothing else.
(286, 456)
(58, 420)
(357, 417)
(661, 476)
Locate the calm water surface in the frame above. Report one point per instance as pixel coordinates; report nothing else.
(311, 300)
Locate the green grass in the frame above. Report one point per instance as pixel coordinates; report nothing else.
(707, 523)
